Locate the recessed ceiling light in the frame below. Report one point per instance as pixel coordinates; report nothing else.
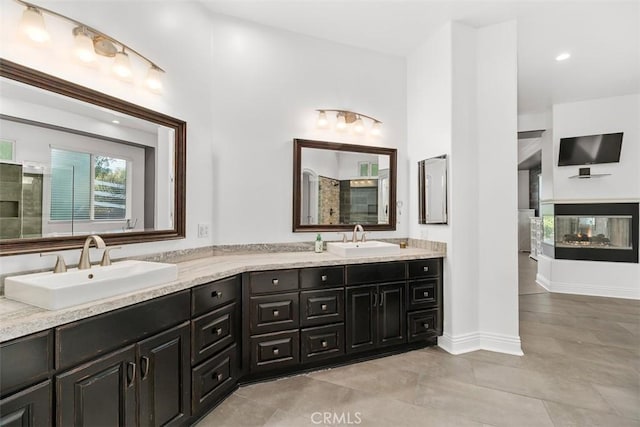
(115, 122)
(563, 56)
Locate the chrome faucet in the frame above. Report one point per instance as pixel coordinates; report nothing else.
(85, 261)
(354, 237)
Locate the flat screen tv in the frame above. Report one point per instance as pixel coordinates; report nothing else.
(590, 149)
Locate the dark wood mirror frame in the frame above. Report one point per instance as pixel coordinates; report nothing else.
(299, 144)
(17, 72)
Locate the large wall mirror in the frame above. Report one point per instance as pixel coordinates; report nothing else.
(75, 162)
(338, 185)
(432, 190)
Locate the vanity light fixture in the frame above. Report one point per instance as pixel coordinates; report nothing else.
(89, 42)
(563, 56)
(344, 118)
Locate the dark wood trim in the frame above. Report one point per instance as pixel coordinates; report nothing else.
(299, 144)
(20, 73)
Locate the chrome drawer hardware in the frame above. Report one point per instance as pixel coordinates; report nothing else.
(216, 376)
(323, 343)
(218, 331)
(323, 307)
(275, 282)
(276, 351)
(276, 313)
(425, 325)
(425, 269)
(217, 294)
(323, 278)
(426, 294)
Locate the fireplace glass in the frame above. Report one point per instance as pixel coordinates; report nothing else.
(602, 232)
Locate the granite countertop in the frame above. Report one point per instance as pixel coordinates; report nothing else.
(19, 319)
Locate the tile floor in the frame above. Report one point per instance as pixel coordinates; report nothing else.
(581, 368)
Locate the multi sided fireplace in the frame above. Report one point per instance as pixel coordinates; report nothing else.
(591, 231)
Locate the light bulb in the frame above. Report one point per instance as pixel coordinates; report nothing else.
(376, 128)
(32, 25)
(322, 120)
(341, 124)
(358, 125)
(121, 65)
(84, 46)
(563, 56)
(154, 79)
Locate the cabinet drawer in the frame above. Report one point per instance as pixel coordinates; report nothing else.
(425, 268)
(89, 338)
(215, 294)
(321, 277)
(423, 293)
(273, 281)
(323, 342)
(213, 332)
(375, 273)
(321, 307)
(25, 361)
(30, 407)
(274, 351)
(273, 313)
(213, 379)
(424, 324)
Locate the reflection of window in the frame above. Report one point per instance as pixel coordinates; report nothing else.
(87, 187)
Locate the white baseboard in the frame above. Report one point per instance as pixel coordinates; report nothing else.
(466, 343)
(584, 289)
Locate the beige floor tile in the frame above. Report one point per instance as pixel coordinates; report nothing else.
(626, 401)
(565, 415)
(237, 411)
(483, 404)
(539, 385)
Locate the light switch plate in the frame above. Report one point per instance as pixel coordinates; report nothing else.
(203, 231)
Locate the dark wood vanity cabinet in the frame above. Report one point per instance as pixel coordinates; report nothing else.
(424, 299)
(28, 408)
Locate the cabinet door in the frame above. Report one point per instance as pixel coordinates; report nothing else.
(165, 379)
(391, 315)
(28, 408)
(99, 393)
(361, 318)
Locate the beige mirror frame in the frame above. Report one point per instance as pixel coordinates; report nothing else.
(20, 73)
(300, 144)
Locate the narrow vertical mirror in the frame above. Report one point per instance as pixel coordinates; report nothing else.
(432, 189)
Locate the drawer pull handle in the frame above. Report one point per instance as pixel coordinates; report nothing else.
(276, 351)
(275, 282)
(323, 307)
(216, 376)
(216, 294)
(323, 278)
(131, 368)
(425, 325)
(218, 331)
(276, 313)
(426, 294)
(425, 269)
(144, 367)
(323, 343)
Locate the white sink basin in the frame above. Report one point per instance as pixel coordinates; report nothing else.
(55, 291)
(371, 248)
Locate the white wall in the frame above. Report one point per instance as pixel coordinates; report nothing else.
(607, 115)
(245, 92)
(462, 102)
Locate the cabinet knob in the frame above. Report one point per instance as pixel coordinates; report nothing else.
(216, 376)
(276, 351)
(275, 282)
(218, 331)
(216, 294)
(323, 307)
(425, 269)
(323, 343)
(276, 313)
(323, 278)
(426, 294)
(425, 325)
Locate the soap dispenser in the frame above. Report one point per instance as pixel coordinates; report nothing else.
(318, 243)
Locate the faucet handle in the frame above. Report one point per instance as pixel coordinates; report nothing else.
(364, 237)
(344, 237)
(61, 266)
(106, 259)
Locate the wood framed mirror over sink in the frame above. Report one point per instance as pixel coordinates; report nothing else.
(336, 186)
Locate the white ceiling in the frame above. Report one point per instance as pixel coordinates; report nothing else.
(603, 37)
